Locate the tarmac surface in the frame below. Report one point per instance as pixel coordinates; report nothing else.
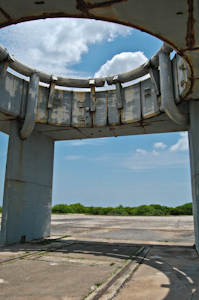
(104, 257)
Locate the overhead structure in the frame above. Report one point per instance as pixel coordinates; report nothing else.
(35, 116)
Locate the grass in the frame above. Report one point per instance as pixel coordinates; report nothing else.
(98, 283)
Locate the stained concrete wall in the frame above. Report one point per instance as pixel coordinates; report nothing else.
(194, 162)
(28, 187)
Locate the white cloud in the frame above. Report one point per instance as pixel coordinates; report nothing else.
(142, 151)
(88, 142)
(182, 144)
(159, 145)
(53, 45)
(122, 62)
(73, 157)
(155, 152)
(153, 160)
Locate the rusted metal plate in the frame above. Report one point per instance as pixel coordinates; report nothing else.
(11, 94)
(42, 113)
(149, 100)
(81, 116)
(131, 111)
(100, 114)
(113, 112)
(60, 113)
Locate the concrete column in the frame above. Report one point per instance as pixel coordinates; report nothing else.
(28, 187)
(194, 162)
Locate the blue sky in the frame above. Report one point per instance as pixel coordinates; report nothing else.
(131, 170)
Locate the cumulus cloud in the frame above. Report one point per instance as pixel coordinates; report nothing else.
(182, 144)
(122, 62)
(53, 45)
(153, 160)
(159, 145)
(158, 157)
(142, 151)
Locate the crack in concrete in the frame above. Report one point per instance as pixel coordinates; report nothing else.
(6, 15)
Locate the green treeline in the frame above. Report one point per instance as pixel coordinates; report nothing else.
(143, 210)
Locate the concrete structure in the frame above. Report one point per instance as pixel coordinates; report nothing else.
(34, 116)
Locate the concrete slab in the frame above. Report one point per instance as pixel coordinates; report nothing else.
(99, 256)
(27, 279)
(172, 229)
(165, 273)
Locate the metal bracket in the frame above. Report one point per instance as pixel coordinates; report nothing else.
(155, 79)
(93, 95)
(147, 92)
(167, 94)
(80, 104)
(31, 109)
(119, 94)
(51, 91)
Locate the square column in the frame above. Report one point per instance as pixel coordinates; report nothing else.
(194, 163)
(27, 198)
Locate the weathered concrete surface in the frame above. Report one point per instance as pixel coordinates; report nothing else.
(71, 272)
(194, 163)
(28, 187)
(71, 268)
(134, 229)
(166, 273)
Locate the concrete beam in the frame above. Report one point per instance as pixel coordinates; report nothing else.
(193, 130)
(28, 187)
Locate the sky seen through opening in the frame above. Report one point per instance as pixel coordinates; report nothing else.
(131, 170)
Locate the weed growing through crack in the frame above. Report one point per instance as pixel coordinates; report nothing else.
(98, 283)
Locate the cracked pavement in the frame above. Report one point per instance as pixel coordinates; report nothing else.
(102, 258)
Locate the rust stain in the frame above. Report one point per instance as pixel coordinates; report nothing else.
(85, 6)
(112, 129)
(190, 38)
(142, 124)
(5, 14)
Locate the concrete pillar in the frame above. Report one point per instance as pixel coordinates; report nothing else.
(28, 187)
(194, 162)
